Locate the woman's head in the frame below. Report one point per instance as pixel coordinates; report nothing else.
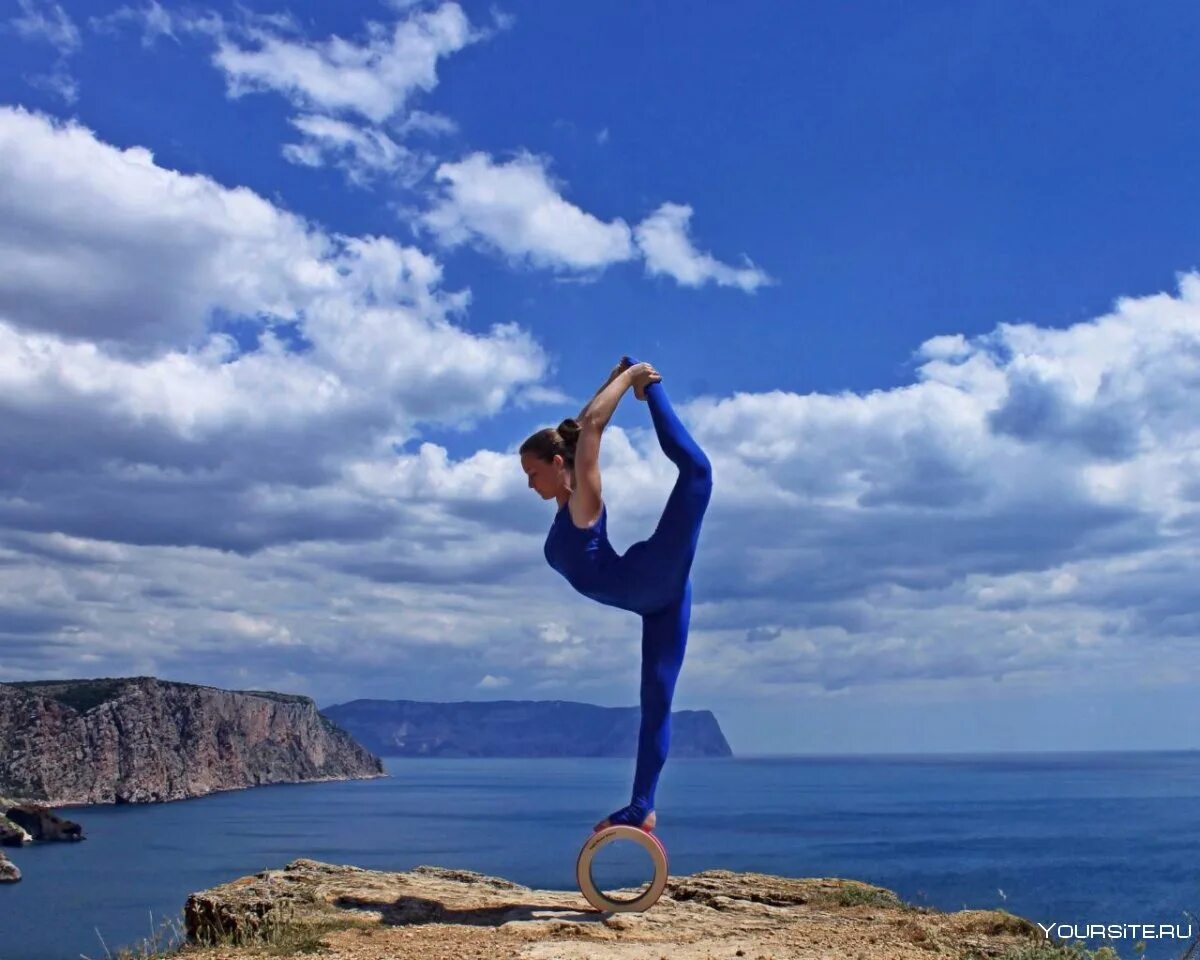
(548, 458)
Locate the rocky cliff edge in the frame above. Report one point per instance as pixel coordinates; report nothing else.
(430, 912)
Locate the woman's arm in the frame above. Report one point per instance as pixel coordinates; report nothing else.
(603, 405)
(585, 499)
(613, 374)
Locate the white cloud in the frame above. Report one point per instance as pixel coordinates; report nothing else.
(48, 22)
(1026, 508)
(117, 280)
(429, 124)
(516, 209)
(58, 82)
(947, 533)
(149, 252)
(155, 20)
(374, 79)
(363, 153)
(664, 241)
(340, 83)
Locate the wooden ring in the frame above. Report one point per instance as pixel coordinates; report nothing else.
(601, 838)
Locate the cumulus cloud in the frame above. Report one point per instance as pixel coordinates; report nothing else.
(211, 416)
(355, 95)
(373, 79)
(971, 522)
(664, 241)
(515, 209)
(903, 537)
(241, 468)
(347, 345)
(101, 243)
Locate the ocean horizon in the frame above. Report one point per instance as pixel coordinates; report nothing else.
(1067, 838)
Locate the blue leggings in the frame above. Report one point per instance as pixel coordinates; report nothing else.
(665, 603)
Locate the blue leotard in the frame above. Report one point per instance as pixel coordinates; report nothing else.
(650, 579)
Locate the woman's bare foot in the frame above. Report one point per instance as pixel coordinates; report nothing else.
(647, 824)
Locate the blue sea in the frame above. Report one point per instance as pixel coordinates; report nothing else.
(1101, 838)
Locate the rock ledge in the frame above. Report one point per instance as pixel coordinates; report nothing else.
(432, 912)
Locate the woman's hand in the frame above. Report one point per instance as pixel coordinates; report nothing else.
(616, 371)
(641, 375)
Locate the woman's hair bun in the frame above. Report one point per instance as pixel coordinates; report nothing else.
(569, 430)
(554, 442)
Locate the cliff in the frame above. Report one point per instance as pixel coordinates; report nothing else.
(517, 728)
(140, 740)
(431, 912)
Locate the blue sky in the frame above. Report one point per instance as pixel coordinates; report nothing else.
(285, 286)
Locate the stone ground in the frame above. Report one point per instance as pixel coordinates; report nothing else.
(432, 913)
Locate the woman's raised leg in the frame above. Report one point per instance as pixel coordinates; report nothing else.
(667, 554)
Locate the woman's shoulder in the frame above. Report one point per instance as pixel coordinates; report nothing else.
(594, 521)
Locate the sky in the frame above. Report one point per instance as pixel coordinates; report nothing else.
(284, 286)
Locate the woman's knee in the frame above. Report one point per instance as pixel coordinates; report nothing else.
(700, 487)
(699, 471)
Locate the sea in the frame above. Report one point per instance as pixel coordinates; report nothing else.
(1068, 840)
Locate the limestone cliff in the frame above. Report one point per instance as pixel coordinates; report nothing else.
(517, 728)
(431, 913)
(140, 740)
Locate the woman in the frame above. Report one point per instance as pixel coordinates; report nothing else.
(651, 577)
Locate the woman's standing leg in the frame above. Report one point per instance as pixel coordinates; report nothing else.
(664, 641)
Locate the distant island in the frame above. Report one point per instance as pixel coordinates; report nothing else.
(516, 728)
(144, 740)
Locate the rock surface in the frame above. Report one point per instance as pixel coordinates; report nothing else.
(140, 740)
(431, 913)
(10, 834)
(8, 870)
(40, 824)
(517, 728)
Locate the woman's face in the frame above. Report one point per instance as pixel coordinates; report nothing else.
(545, 476)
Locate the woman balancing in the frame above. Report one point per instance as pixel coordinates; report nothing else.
(651, 577)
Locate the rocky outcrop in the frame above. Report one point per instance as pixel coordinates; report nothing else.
(8, 870)
(140, 740)
(433, 912)
(10, 834)
(517, 728)
(40, 824)
(25, 823)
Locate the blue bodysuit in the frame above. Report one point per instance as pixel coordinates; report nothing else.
(651, 579)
